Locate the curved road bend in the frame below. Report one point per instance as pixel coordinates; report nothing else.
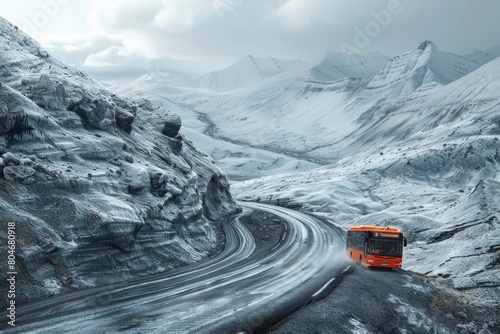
(232, 292)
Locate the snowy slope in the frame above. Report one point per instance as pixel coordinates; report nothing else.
(236, 159)
(101, 188)
(268, 111)
(336, 66)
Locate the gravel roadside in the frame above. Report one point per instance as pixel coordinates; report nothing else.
(388, 301)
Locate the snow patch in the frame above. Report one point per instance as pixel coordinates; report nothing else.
(52, 285)
(358, 327)
(414, 316)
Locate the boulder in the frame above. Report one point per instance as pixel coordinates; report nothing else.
(172, 124)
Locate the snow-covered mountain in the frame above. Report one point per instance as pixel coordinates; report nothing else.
(247, 71)
(428, 164)
(101, 188)
(296, 115)
(422, 69)
(415, 145)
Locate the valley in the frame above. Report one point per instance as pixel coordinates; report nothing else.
(412, 142)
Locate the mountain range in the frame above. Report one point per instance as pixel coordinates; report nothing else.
(410, 141)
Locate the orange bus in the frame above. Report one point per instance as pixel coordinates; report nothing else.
(376, 246)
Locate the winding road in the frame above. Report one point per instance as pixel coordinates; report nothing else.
(239, 290)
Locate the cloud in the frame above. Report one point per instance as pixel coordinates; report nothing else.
(183, 15)
(213, 33)
(114, 56)
(72, 43)
(117, 64)
(300, 14)
(115, 61)
(172, 16)
(156, 28)
(204, 35)
(75, 48)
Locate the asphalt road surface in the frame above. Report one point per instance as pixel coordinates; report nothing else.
(240, 290)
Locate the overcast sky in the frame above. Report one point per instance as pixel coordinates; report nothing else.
(129, 37)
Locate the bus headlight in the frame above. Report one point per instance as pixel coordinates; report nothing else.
(369, 261)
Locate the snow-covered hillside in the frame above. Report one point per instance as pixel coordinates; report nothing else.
(255, 159)
(415, 145)
(336, 66)
(101, 188)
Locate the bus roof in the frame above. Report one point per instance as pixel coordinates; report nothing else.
(371, 228)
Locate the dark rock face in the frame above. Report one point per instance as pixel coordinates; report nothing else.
(48, 95)
(124, 120)
(172, 124)
(96, 198)
(159, 184)
(125, 114)
(95, 114)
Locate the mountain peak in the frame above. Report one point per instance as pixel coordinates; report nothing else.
(427, 44)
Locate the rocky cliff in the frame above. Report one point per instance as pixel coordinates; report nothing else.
(101, 188)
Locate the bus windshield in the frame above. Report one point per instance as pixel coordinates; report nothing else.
(385, 247)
